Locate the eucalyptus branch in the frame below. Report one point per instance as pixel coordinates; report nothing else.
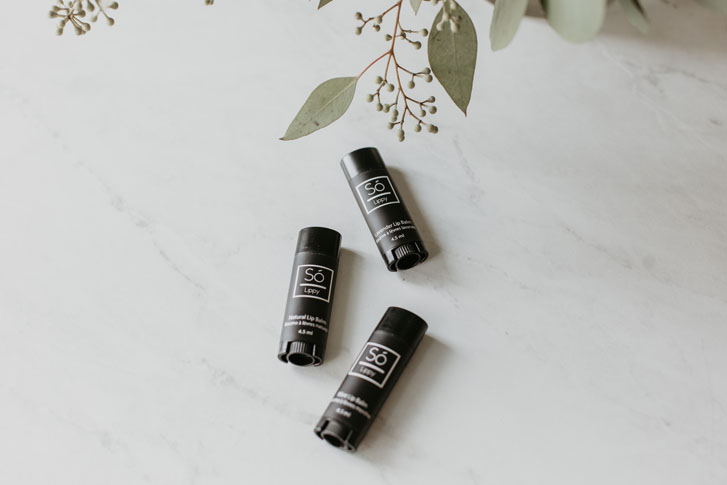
(403, 104)
(74, 12)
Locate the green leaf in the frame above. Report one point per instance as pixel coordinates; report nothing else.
(576, 20)
(635, 14)
(505, 21)
(719, 5)
(325, 105)
(453, 56)
(415, 4)
(323, 3)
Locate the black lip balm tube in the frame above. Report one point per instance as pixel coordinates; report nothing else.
(310, 297)
(381, 204)
(371, 378)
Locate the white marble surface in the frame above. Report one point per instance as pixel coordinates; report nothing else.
(577, 296)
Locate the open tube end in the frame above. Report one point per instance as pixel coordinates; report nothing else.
(406, 256)
(302, 354)
(335, 434)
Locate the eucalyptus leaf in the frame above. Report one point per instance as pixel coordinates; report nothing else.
(323, 3)
(635, 14)
(719, 5)
(505, 21)
(453, 56)
(576, 20)
(415, 4)
(325, 105)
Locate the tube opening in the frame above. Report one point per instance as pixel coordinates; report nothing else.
(333, 439)
(408, 261)
(301, 359)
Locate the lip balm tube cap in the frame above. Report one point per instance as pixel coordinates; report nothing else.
(362, 160)
(406, 325)
(319, 240)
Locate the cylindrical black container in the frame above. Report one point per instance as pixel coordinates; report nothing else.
(371, 378)
(390, 224)
(310, 297)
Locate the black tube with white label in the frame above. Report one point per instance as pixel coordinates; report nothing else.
(371, 378)
(381, 204)
(310, 297)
